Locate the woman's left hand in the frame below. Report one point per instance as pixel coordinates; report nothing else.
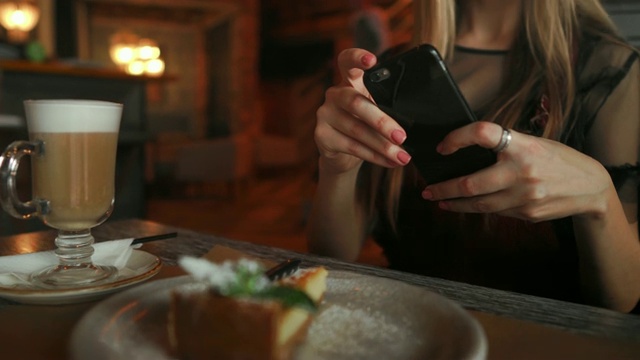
(534, 179)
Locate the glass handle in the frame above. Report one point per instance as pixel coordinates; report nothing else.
(9, 163)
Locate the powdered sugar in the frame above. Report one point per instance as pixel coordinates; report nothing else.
(358, 316)
(374, 329)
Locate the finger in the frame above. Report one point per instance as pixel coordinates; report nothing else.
(512, 203)
(482, 133)
(332, 139)
(352, 63)
(373, 126)
(489, 180)
(370, 114)
(361, 136)
(338, 142)
(333, 120)
(499, 202)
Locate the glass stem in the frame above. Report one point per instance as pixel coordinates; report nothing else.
(75, 268)
(74, 248)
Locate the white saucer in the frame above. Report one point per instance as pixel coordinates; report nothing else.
(141, 266)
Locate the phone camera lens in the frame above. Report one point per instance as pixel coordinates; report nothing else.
(380, 75)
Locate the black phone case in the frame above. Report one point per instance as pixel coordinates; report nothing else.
(416, 89)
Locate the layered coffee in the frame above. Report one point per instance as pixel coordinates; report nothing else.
(75, 172)
(72, 146)
(74, 169)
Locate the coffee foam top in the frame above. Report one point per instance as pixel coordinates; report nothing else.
(63, 116)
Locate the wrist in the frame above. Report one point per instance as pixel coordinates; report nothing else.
(602, 203)
(328, 167)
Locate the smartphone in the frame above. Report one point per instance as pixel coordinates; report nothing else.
(417, 90)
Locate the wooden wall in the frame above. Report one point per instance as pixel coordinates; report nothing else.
(626, 14)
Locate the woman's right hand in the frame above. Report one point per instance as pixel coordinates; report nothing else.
(350, 128)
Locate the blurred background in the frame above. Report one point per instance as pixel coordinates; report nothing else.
(220, 98)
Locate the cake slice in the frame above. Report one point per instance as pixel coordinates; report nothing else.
(295, 320)
(239, 314)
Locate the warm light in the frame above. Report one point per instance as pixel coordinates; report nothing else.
(136, 56)
(18, 17)
(122, 47)
(148, 50)
(136, 67)
(154, 67)
(123, 54)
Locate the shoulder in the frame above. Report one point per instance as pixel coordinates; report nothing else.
(599, 53)
(604, 62)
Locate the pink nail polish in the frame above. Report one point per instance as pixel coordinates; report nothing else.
(427, 195)
(367, 59)
(398, 136)
(404, 157)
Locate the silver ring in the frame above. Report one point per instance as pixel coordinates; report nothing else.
(505, 140)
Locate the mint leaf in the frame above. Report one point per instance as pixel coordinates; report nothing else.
(288, 296)
(248, 281)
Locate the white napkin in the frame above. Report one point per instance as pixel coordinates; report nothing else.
(15, 269)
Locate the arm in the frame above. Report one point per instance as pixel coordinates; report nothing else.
(350, 129)
(608, 244)
(337, 225)
(539, 179)
(609, 255)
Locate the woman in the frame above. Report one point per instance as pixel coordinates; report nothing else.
(556, 216)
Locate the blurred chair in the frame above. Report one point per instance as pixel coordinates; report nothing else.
(203, 164)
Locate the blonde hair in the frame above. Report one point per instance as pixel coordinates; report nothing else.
(544, 56)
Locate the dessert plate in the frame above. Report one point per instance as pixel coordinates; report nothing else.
(361, 317)
(140, 266)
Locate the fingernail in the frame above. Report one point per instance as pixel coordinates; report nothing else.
(427, 194)
(398, 136)
(443, 205)
(367, 59)
(404, 157)
(439, 148)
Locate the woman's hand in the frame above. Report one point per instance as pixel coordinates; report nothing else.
(534, 179)
(350, 127)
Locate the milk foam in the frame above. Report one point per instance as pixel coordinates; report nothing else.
(69, 116)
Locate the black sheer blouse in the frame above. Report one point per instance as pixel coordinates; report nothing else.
(507, 253)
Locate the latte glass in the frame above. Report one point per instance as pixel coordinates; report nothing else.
(72, 144)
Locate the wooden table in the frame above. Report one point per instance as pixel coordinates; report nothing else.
(517, 326)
